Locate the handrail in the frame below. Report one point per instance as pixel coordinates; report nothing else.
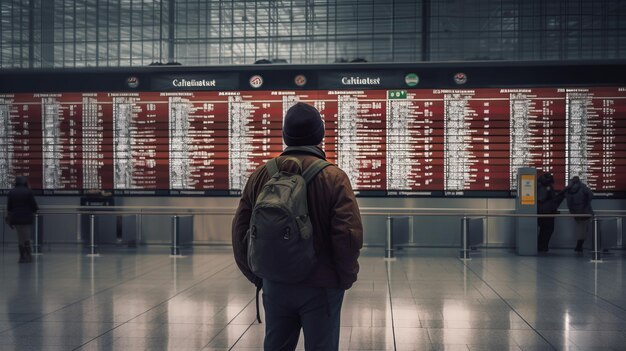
(367, 211)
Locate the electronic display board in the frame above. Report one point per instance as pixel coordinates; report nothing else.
(204, 133)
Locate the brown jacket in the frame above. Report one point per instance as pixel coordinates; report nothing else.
(337, 228)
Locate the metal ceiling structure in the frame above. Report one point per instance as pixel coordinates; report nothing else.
(113, 33)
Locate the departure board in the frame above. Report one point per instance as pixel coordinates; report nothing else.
(202, 136)
(199, 141)
(97, 141)
(596, 141)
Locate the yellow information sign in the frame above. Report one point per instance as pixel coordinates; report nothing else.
(527, 189)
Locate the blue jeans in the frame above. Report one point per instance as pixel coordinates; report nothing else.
(289, 308)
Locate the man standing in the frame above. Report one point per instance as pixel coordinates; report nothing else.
(579, 198)
(21, 209)
(314, 303)
(548, 202)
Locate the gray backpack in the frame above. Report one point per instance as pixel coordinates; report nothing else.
(280, 241)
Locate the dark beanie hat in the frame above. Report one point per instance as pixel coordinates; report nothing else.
(303, 126)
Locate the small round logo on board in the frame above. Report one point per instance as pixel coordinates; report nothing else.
(132, 82)
(300, 80)
(411, 79)
(256, 81)
(460, 78)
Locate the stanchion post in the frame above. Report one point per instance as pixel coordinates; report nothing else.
(79, 237)
(93, 248)
(465, 250)
(389, 238)
(137, 228)
(175, 249)
(411, 233)
(620, 233)
(37, 237)
(596, 254)
(484, 241)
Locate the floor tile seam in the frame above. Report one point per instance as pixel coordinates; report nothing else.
(229, 323)
(623, 309)
(393, 328)
(226, 266)
(80, 300)
(413, 298)
(508, 304)
(240, 336)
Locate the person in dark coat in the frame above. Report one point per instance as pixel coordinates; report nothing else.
(579, 198)
(21, 209)
(548, 202)
(313, 305)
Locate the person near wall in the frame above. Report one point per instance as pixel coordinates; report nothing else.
(548, 202)
(21, 209)
(312, 305)
(579, 198)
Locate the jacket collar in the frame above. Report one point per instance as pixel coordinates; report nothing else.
(308, 149)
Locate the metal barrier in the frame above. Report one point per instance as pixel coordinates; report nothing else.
(389, 213)
(619, 229)
(37, 237)
(465, 247)
(175, 248)
(599, 242)
(467, 239)
(596, 254)
(93, 248)
(389, 239)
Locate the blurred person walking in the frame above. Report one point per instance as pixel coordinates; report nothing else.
(21, 209)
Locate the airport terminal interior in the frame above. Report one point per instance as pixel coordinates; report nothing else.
(137, 125)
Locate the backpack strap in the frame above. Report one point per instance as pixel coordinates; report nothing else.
(314, 169)
(273, 167)
(258, 311)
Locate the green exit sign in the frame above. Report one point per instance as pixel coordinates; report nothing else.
(396, 94)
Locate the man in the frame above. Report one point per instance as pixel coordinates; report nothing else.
(548, 202)
(314, 304)
(21, 209)
(579, 198)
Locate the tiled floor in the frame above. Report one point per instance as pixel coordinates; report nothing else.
(426, 299)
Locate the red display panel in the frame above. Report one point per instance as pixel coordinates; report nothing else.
(415, 135)
(21, 136)
(140, 140)
(198, 147)
(389, 142)
(61, 139)
(98, 146)
(537, 132)
(474, 122)
(596, 137)
(356, 130)
(255, 136)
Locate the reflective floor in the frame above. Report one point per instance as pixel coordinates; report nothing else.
(426, 299)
